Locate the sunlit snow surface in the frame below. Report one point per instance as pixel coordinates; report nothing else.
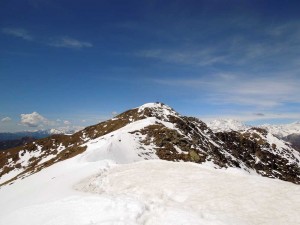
(79, 192)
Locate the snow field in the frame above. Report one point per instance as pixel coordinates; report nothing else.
(147, 192)
(185, 193)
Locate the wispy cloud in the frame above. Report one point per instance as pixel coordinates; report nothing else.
(264, 91)
(59, 42)
(67, 42)
(6, 119)
(259, 114)
(274, 46)
(67, 122)
(18, 32)
(201, 57)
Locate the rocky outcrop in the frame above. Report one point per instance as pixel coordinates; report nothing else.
(294, 139)
(255, 150)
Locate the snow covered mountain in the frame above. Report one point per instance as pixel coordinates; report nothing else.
(156, 131)
(110, 173)
(221, 125)
(280, 131)
(284, 129)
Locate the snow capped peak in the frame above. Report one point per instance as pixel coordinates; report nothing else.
(158, 106)
(157, 109)
(151, 105)
(64, 130)
(220, 125)
(55, 131)
(283, 130)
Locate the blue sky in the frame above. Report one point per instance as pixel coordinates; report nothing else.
(75, 63)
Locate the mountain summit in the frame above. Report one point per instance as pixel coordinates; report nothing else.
(156, 131)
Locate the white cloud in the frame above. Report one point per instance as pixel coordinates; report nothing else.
(66, 122)
(67, 42)
(18, 32)
(114, 113)
(201, 57)
(6, 119)
(34, 120)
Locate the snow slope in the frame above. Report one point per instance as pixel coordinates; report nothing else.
(121, 145)
(81, 192)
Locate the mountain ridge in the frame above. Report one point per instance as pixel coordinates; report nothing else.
(153, 131)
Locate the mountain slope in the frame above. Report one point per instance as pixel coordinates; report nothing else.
(155, 131)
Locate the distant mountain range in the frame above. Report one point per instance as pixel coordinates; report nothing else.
(19, 135)
(283, 130)
(10, 140)
(287, 132)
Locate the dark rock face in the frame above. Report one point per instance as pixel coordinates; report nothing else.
(294, 139)
(258, 154)
(251, 150)
(172, 137)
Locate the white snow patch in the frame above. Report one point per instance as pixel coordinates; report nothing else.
(25, 156)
